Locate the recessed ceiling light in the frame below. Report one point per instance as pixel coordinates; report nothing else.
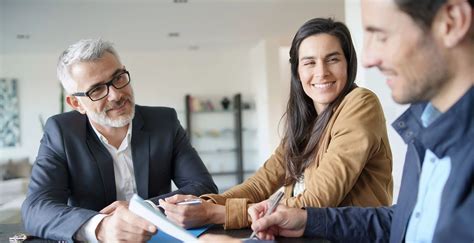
(23, 36)
(193, 47)
(173, 34)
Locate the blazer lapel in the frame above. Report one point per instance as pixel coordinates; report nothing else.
(104, 162)
(140, 154)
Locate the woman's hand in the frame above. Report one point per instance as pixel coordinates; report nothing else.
(190, 216)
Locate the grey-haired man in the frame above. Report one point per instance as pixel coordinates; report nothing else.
(93, 159)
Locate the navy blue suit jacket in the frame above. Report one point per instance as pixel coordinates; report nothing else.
(452, 134)
(73, 175)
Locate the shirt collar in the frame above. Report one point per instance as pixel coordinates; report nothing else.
(443, 130)
(429, 115)
(124, 143)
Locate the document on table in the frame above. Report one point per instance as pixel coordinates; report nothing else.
(146, 211)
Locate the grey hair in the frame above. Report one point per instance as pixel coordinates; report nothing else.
(86, 50)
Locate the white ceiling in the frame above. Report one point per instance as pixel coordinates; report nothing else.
(144, 25)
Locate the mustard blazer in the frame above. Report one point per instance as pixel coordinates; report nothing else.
(353, 166)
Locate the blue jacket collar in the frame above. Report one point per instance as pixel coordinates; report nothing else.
(445, 131)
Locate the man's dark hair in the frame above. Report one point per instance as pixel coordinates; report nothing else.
(422, 11)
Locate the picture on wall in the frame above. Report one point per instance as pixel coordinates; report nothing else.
(9, 113)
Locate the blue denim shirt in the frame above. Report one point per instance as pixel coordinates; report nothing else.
(450, 135)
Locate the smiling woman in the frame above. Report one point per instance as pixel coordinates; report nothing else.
(323, 70)
(335, 151)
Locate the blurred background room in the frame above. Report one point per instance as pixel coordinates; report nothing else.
(222, 64)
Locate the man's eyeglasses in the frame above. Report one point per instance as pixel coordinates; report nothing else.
(101, 91)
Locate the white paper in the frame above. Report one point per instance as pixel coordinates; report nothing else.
(146, 211)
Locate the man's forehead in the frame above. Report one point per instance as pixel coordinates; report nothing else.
(378, 2)
(379, 15)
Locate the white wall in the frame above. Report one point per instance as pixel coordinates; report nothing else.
(259, 76)
(38, 96)
(1, 64)
(270, 78)
(2, 22)
(283, 92)
(374, 80)
(165, 77)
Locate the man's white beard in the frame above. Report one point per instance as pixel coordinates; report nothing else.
(102, 119)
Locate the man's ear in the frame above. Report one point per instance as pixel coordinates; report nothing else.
(453, 22)
(74, 103)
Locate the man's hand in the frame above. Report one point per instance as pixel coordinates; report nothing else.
(189, 216)
(111, 208)
(285, 221)
(123, 225)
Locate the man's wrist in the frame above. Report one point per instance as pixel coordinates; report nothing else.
(303, 213)
(315, 222)
(98, 230)
(87, 232)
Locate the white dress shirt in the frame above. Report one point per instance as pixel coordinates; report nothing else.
(125, 184)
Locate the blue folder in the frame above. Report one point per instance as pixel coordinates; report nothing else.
(163, 237)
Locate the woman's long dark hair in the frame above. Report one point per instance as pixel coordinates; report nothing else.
(304, 126)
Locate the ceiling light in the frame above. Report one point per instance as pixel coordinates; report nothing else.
(23, 36)
(193, 47)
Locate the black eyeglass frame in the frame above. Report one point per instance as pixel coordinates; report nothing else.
(107, 84)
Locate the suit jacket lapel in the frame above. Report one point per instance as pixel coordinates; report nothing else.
(104, 163)
(140, 154)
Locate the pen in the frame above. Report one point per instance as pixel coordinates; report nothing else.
(194, 201)
(190, 202)
(273, 204)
